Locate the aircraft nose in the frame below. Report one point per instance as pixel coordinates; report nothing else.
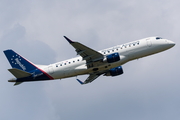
(171, 43)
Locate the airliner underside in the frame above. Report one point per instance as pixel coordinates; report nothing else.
(107, 62)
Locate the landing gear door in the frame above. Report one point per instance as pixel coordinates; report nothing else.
(149, 44)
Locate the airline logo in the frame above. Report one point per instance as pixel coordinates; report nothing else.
(18, 61)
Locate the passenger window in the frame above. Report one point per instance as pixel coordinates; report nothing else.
(73, 61)
(69, 62)
(64, 63)
(157, 38)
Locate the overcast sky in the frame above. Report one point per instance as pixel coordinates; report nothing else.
(149, 88)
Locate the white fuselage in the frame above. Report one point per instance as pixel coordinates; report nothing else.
(129, 51)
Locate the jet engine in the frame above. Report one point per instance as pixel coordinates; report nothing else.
(114, 71)
(112, 58)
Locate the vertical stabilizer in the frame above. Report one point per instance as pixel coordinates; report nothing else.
(19, 62)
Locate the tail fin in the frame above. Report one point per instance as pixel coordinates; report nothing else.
(18, 61)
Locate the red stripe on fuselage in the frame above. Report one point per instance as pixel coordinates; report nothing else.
(51, 78)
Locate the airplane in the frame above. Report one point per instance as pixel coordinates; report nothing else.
(107, 62)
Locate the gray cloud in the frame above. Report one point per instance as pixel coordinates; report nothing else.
(148, 89)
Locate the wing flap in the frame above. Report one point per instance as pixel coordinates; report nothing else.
(91, 78)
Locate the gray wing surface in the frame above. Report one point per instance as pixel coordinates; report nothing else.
(85, 52)
(91, 78)
(90, 56)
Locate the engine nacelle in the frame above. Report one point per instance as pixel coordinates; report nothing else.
(113, 58)
(115, 71)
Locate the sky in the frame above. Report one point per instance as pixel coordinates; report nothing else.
(148, 89)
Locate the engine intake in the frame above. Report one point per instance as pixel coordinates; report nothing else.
(113, 57)
(115, 71)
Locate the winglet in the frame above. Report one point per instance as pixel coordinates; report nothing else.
(80, 81)
(70, 41)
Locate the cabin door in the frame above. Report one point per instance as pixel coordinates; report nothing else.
(149, 44)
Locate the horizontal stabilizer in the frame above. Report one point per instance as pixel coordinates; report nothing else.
(19, 73)
(17, 83)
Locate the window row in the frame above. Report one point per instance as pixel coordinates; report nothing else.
(57, 65)
(123, 46)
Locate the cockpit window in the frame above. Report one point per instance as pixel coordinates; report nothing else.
(157, 38)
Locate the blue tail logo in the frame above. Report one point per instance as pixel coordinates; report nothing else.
(18, 61)
(23, 69)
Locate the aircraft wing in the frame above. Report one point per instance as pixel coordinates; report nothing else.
(85, 52)
(91, 78)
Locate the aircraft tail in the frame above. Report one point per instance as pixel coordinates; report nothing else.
(18, 74)
(18, 62)
(24, 70)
